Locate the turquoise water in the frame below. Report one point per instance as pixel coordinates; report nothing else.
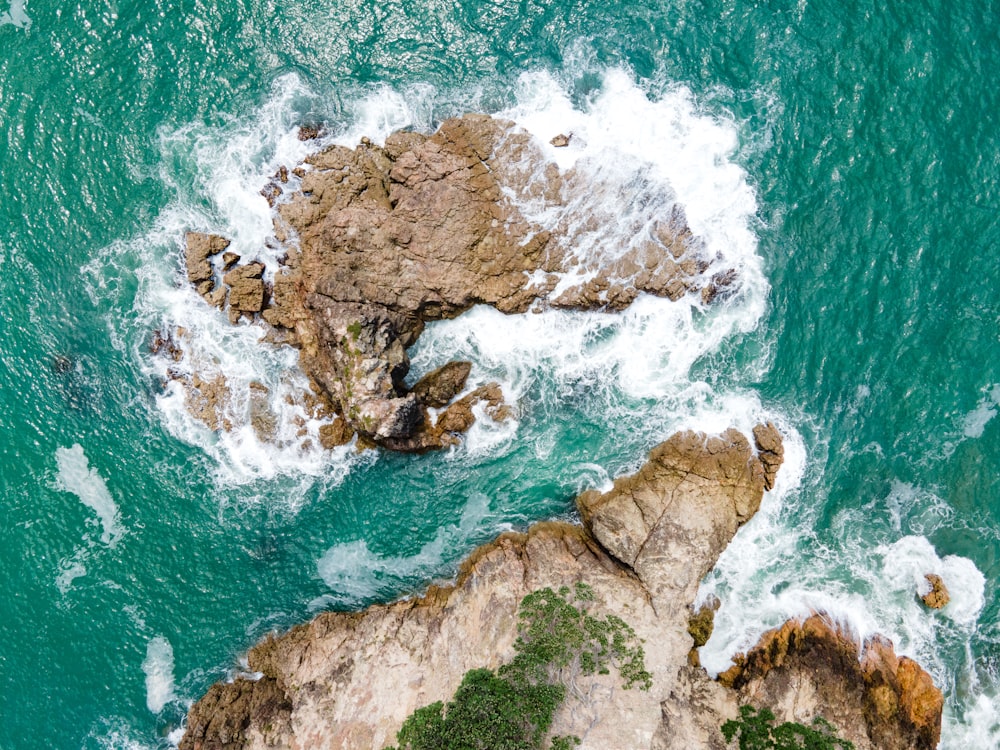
(847, 154)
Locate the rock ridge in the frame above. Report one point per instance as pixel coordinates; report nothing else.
(381, 240)
(348, 680)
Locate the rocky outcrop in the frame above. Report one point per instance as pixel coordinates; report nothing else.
(348, 680)
(383, 239)
(937, 595)
(874, 696)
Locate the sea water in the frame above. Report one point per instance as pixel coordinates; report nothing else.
(843, 157)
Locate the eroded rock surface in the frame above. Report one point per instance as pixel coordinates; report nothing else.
(350, 679)
(937, 597)
(382, 240)
(875, 697)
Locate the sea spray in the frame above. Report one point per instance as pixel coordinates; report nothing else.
(158, 667)
(76, 476)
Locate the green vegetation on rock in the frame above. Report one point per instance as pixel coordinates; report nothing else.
(512, 708)
(756, 731)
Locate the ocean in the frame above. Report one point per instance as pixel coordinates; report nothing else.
(845, 157)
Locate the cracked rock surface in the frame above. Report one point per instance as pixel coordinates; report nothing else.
(383, 239)
(348, 680)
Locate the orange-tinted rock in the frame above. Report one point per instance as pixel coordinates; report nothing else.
(938, 596)
(878, 697)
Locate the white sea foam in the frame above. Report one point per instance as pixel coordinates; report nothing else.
(867, 578)
(76, 476)
(70, 569)
(119, 739)
(158, 667)
(355, 574)
(976, 420)
(977, 728)
(15, 15)
(637, 156)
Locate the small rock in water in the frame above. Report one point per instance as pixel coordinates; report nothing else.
(62, 364)
(938, 596)
(561, 141)
(309, 132)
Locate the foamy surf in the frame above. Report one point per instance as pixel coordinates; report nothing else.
(76, 476)
(158, 667)
(868, 577)
(15, 15)
(356, 575)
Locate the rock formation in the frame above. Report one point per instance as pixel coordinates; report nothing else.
(937, 596)
(381, 240)
(348, 680)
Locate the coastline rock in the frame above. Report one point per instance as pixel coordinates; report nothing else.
(938, 595)
(440, 386)
(350, 679)
(389, 238)
(206, 399)
(700, 627)
(234, 715)
(875, 698)
(246, 289)
(771, 450)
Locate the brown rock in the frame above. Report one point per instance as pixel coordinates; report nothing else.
(246, 288)
(335, 433)
(207, 401)
(720, 287)
(233, 715)
(561, 141)
(271, 191)
(309, 132)
(351, 678)
(938, 596)
(771, 451)
(262, 419)
(422, 229)
(702, 622)
(229, 260)
(440, 386)
(199, 247)
(348, 680)
(722, 483)
(163, 342)
(459, 417)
